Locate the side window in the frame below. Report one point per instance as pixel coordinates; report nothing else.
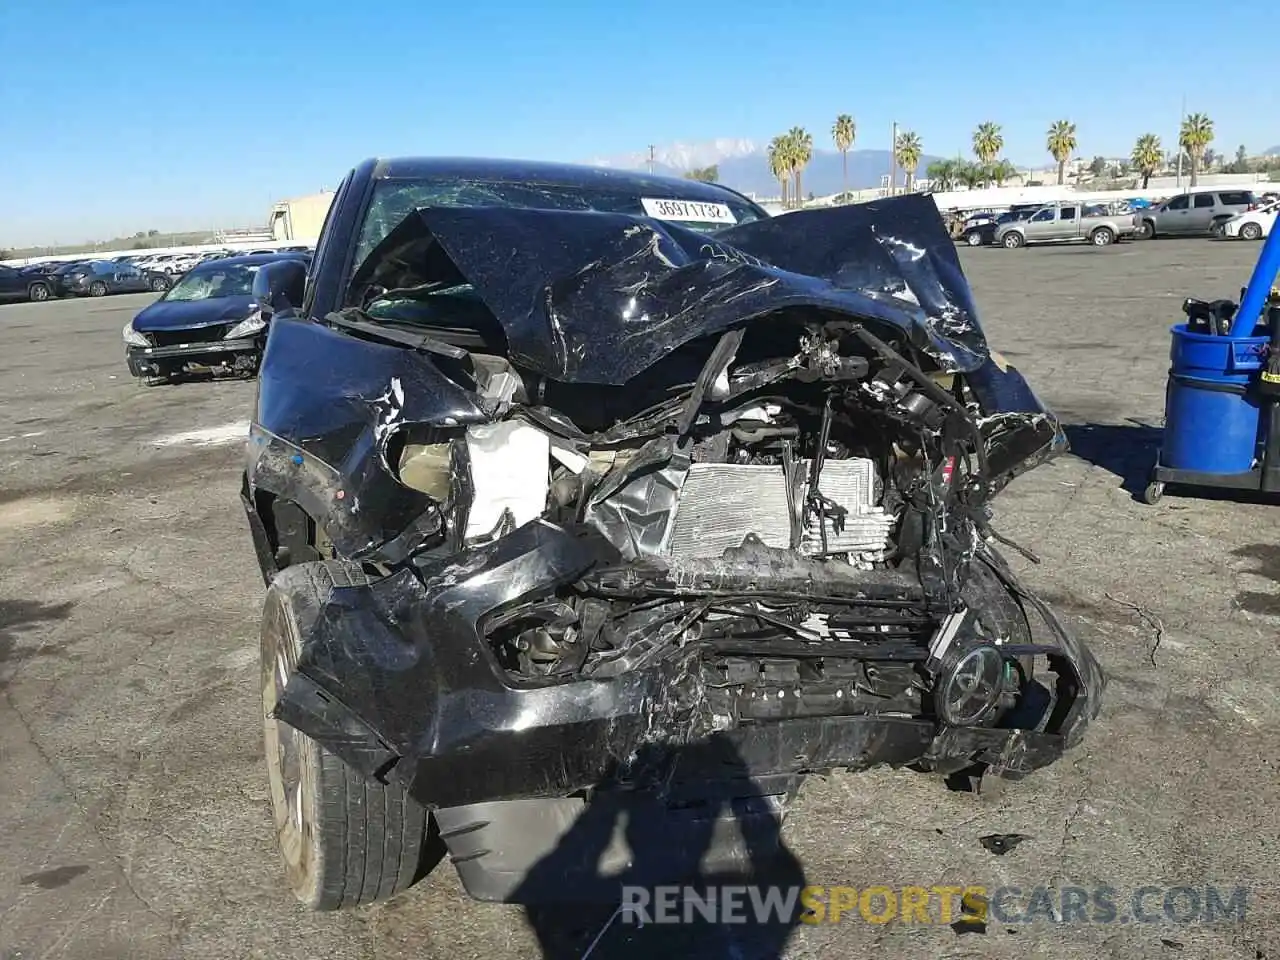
(1179, 203)
(1204, 200)
(1235, 198)
(322, 244)
(7, 272)
(1043, 216)
(338, 195)
(1067, 213)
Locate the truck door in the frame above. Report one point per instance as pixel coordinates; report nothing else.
(1041, 224)
(1067, 226)
(1202, 210)
(1174, 218)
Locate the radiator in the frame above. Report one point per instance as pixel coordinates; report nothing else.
(720, 503)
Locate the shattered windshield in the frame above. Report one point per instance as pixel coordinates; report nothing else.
(393, 200)
(224, 281)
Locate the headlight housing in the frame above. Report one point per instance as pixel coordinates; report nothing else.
(133, 337)
(970, 684)
(246, 327)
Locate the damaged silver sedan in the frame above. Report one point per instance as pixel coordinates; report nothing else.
(573, 485)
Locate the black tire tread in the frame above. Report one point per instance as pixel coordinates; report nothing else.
(373, 838)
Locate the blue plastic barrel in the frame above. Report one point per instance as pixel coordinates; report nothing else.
(1211, 416)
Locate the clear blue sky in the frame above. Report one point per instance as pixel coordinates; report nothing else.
(124, 115)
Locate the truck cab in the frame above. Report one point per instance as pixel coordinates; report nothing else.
(1057, 222)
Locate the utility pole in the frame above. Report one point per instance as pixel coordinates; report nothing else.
(1181, 121)
(651, 149)
(893, 159)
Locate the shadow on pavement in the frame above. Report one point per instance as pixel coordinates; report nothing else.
(1266, 560)
(1127, 450)
(708, 828)
(19, 615)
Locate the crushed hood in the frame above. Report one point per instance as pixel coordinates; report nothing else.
(596, 297)
(180, 314)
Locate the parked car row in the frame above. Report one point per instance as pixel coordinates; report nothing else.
(1212, 212)
(129, 273)
(178, 264)
(77, 278)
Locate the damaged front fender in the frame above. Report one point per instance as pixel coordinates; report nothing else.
(328, 404)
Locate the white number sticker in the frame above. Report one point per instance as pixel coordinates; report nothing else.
(692, 211)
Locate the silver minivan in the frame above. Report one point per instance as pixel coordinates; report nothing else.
(1190, 214)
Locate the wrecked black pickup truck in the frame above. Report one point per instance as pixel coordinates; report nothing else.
(572, 484)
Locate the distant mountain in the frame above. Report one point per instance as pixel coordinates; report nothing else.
(1271, 152)
(744, 165)
(683, 156)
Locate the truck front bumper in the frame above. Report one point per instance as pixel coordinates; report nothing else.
(395, 677)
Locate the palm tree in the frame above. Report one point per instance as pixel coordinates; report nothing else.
(801, 153)
(843, 132)
(943, 174)
(1061, 141)
(780, 164)
(1002, 170)
(971, 175)
(987, 142)
(1147, 157)
(1195, 137)
(908, 150)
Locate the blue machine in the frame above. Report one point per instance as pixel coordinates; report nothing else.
(1222, 406)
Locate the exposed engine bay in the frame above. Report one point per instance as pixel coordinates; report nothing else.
(829, 454)
(623, 486)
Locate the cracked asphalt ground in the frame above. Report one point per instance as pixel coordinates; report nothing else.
(133, 806)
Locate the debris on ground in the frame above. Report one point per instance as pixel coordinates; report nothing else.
(1002, 843)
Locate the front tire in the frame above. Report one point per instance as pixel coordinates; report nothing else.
(1251, 231)
(1148, 231)
(97, 289)
(346, 840)
(1102, 237)
(973, 238)
(160, 284)
(38, 292)
(1013, 240)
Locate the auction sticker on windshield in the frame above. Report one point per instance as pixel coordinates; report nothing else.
(691, 211)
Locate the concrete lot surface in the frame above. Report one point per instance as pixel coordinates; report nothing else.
(134, 819)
